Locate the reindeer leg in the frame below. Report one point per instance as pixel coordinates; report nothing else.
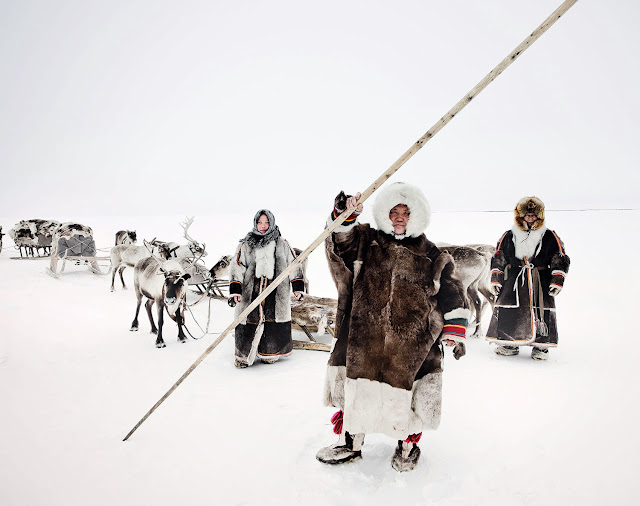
(134, 323)
(489, 296)
(122, 268)
(159, 340)
(113, 277)
(148, 306)
(181, 336)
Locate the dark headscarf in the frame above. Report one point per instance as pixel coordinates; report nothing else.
(257, 240)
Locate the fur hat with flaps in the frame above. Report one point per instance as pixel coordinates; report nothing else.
(529, 205)
(410, 196)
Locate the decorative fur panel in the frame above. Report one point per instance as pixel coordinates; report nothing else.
(409, 195)
(265, 260)
(529, 205)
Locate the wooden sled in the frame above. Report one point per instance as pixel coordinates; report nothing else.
(314, 314)
(91, 262)
(304, 345)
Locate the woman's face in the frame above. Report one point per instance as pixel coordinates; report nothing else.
(399, 216)
(263, 224)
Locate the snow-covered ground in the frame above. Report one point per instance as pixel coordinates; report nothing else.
(74, 381)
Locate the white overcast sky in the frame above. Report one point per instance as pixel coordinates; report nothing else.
(158, 107)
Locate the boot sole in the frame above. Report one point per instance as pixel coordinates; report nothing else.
(348, 458)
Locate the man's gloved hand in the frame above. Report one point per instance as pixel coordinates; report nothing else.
(343, 201)
(459, 351)
(495, 289)
(340, 203)
(554, 290)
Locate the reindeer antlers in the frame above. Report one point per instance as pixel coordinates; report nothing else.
(185, 226)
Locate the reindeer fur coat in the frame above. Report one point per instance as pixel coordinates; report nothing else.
(251, 263)
(526, 264)
(394, 293)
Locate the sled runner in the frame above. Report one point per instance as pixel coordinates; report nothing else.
(74, 242)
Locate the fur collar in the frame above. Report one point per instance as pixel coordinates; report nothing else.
(527, 243)
(413, 198)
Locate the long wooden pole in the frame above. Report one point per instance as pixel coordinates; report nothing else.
(468, 97)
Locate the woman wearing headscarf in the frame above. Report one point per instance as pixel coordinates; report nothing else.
(528, 272)
(260, 257)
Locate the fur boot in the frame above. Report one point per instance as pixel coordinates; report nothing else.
(539, 353)
(346, 449)
(507, 351)
(405, 457)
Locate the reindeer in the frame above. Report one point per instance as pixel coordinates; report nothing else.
(473, 266)
(128, 255)
(165, 283)
(126, 237)
(211, 278)
(192, 249)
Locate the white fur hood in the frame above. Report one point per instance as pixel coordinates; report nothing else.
(409, 195)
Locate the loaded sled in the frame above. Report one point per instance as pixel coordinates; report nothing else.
(74, 242)
(31, 236)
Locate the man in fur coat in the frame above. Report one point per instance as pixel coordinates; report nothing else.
(398, 299)
(528, 271)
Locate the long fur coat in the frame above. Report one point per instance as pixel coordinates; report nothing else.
(394, 294)
(526, 264)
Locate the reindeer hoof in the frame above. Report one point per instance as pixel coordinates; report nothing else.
(154, 331)
(133, 329)
(113, 289)
(160, 345)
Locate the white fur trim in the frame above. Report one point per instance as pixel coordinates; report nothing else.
(413, 198)
(334, 386)
(527, 243)
(265, 260)
(559, 273)
(427, 401)
(342, 227)
(457, 313)
(375, 407)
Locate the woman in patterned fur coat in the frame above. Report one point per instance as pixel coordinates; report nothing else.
(260, 257)
(398, 299)
(528, 271)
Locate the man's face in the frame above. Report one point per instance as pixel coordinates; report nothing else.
(530, 218)
(399, 216)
